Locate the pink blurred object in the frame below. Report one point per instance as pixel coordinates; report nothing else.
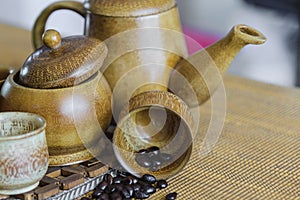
(196, 39)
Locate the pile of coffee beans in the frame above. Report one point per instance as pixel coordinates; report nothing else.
(125, 186)
(152, 158)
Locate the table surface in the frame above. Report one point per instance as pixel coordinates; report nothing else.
(257, 155)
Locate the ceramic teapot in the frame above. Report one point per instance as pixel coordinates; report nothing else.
(147, 61)
(145, 43)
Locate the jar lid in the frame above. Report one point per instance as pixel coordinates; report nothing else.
(62, 62)
(132, 8)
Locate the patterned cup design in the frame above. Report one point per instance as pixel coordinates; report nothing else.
(23, 152)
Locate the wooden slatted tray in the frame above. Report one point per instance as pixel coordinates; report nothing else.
(69, 182)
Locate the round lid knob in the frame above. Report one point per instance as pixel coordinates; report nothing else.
(62, 62)
(52, 39)
(132, 8)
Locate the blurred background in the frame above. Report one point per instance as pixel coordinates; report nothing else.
(206, 21)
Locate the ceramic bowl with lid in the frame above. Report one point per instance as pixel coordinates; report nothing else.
(76, 115)
(62, 62)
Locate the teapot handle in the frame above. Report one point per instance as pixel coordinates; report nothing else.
(39, 25)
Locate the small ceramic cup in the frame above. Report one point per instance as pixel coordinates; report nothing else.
(23, 152)
(154, 118)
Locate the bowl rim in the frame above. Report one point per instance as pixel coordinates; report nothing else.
(184, 113)
(11, 79)
(28, 134)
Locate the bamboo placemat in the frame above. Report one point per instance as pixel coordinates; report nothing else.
(258, 153)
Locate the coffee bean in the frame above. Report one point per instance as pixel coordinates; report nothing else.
(149, 189)
(119, 186)
(161, 184)
(108, 178)
(156, 162)
(102, 185)
(125, 193)
(130, 189)
(154, 167)
(142, 151)
(85, 198)
(143, 161)
(154, 150)
(115, 196)
(141, 195)
(110, 189)
(97, 193)
(104, 196)
(165, 157)
(124, 174)
(117, 179)
(171, 196)
(129, 180)
(125, 186)
(152, 158)
(136, 187)
(152, 155)
(149, 178)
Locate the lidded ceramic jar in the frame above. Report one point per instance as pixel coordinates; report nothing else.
(61, 82)
(62, 63)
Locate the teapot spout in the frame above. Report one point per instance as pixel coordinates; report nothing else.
(197, 77)
(247, 34)
(224, 51)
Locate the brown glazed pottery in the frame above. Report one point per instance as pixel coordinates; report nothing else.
(76, 115)
(202, 72)
(62, 62)
(130, 26)
(23, 153)
(146, 57)
(109, 21)
(154, 118)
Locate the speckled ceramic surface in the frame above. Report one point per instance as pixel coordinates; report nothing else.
(76, 116)
(203, 71)
(109, 21)
(132, 8)
(23, 151)
(62, 62)
(155, 118)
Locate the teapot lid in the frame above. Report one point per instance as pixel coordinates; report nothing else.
(128, 8)
(62, 62)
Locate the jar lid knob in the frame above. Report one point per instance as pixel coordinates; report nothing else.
(52, 39)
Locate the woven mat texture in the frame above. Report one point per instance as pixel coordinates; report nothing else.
(257, 155)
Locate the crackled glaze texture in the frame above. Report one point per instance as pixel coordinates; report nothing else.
(23, 153)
